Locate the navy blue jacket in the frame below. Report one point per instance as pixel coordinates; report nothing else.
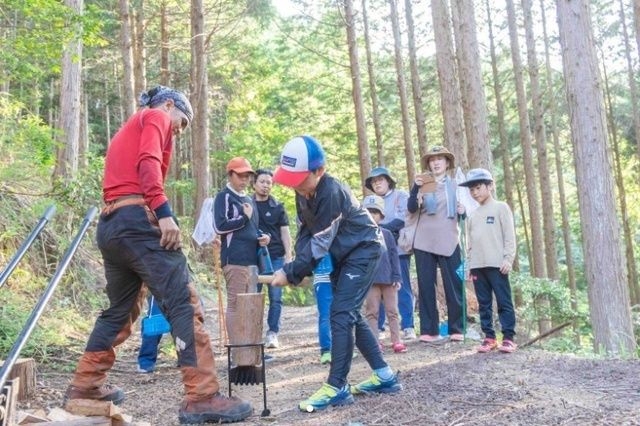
(388, 271)
(332, 221)
(238, 233)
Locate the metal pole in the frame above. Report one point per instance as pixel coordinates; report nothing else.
(44, 299)
(48, 214)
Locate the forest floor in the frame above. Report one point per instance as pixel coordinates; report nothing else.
(449, 384)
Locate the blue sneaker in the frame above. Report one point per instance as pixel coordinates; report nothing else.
(325, 396)
(375, 384)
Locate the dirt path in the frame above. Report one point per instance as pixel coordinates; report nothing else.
(446, 385)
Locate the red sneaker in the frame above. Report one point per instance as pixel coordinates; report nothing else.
(487, 345)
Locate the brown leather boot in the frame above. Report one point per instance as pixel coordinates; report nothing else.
(215, 409)
(101, 393)
(89, 379)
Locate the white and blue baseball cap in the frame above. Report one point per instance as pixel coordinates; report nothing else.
(475, 176)
(300, 156)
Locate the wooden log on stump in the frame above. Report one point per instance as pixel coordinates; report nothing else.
(250, 309)
(25, 370)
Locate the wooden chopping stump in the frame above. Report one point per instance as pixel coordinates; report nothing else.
(250, 311)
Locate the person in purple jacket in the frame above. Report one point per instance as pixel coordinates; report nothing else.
(386, 281)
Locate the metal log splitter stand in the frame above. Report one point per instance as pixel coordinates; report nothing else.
(250, 376)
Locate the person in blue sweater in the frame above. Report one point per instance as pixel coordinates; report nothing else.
(386, 282)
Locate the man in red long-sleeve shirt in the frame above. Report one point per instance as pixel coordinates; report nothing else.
(140, 243)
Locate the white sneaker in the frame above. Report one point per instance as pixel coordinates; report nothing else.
(271, 340)
(409, 334)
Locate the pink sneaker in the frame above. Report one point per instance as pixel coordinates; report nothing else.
(399, 347)
(432, 339)
(456, 337)
(508, 346)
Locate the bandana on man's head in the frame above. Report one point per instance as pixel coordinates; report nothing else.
(159, 94)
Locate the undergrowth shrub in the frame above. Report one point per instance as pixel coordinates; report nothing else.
(536, 292)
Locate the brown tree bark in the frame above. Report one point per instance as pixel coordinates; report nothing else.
(402, 90)
(450, 98)
(199, 98)
(474, 103)
(505, 148)
(604, 266)
(416, 86)
(631, 75)
(375, 111)
(537, 241)
(356, 93)
(564, 212)
(537, 248)
(126, 50)
(544, 176)
(622, 193)
(70, 91)
(139, 49)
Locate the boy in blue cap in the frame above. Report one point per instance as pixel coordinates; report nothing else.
(333, 221)
(491, 251)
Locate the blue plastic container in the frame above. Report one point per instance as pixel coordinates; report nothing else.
(265, 267)
(444, 329)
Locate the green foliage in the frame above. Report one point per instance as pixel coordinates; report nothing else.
(535, 293)
(298, 296)
(53, 330)
(24, 137)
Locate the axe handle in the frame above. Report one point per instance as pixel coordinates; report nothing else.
(266, 279)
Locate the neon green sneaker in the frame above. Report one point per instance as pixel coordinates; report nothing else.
(325, 358)
(376, 385)
(325, 396)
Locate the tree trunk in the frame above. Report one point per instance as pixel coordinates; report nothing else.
(546, 193)
(402, 90)
(537, 249)
(537, 241)
(375, 112)
(631, 76)
(474, 104)
(83, 136)
(604, 267)
(164, 44)
(356, 93)
(126, 50)
(636, 21)
(622, 193)
(69, 124)
(199, 97)
(505, 148)
(450, 98)
(564, 212)
(416, 85)
(139, 49)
